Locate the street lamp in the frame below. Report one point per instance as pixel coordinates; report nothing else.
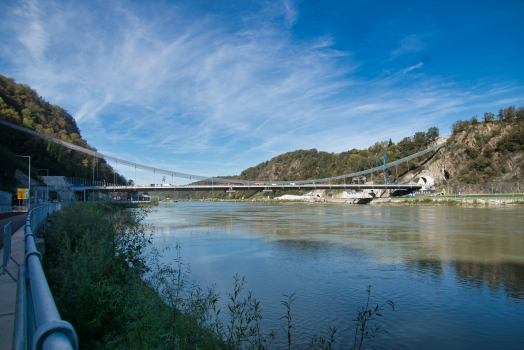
(47, 184)
(29, 181)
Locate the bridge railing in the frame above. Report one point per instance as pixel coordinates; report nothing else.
(37, 322)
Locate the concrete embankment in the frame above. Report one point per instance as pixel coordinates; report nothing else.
(384, 201)
(450, 201)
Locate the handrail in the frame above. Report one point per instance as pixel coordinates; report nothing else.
(44, 328)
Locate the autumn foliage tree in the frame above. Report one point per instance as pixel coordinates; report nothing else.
(21, 105)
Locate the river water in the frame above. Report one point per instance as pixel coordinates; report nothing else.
(455, 274)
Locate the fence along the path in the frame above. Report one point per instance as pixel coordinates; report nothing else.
(37, 322)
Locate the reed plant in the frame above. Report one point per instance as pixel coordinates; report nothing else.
(365, 315)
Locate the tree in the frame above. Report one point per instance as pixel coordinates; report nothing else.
(459, 126)
(489, 117)
(432, 134)
(130, 182)
(500, 116)
(420, 138)
(519, 114)
(509, 113)
(406, 145)
(22, 106)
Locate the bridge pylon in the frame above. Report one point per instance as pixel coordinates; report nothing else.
(378, 164)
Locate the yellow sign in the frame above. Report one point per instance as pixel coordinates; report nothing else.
(22, 193)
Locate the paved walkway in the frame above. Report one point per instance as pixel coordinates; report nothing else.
(17, 220)
(8, 286)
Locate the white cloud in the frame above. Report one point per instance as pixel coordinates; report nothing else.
(409, 69)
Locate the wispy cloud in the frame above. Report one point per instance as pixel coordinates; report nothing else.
(35, 37)
(410, 44)
(165, 82)
(409, 69)
(290, 11)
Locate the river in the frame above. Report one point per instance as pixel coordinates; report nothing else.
(455, 274)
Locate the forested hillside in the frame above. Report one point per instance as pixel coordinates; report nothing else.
(312, 164)
(21, 105)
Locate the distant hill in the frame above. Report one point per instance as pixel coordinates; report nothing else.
(21, 105)
(314, 164)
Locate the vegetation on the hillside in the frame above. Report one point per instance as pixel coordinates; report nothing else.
(21, 105)
(312, 164)
(110, 284)
(490, 149)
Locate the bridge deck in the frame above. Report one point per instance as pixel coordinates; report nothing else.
(307, 187)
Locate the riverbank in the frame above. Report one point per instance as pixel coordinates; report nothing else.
(463, 201)
(495, 200)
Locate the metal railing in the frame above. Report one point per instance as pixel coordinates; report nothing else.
(37, 322)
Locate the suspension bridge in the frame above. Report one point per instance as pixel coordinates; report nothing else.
(211, 183)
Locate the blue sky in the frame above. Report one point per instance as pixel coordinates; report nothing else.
(214, 87)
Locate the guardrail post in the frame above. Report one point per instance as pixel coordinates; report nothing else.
(7, 251)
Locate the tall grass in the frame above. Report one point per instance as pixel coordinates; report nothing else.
(113, 287)
(113, 291)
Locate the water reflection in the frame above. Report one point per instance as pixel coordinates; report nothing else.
(502, 276)
(431, 261)
(506, 276)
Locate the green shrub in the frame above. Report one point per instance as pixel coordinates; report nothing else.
(512, 141)
(104, 283)
(472, 152)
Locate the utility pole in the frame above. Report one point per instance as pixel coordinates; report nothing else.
(29, 181)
